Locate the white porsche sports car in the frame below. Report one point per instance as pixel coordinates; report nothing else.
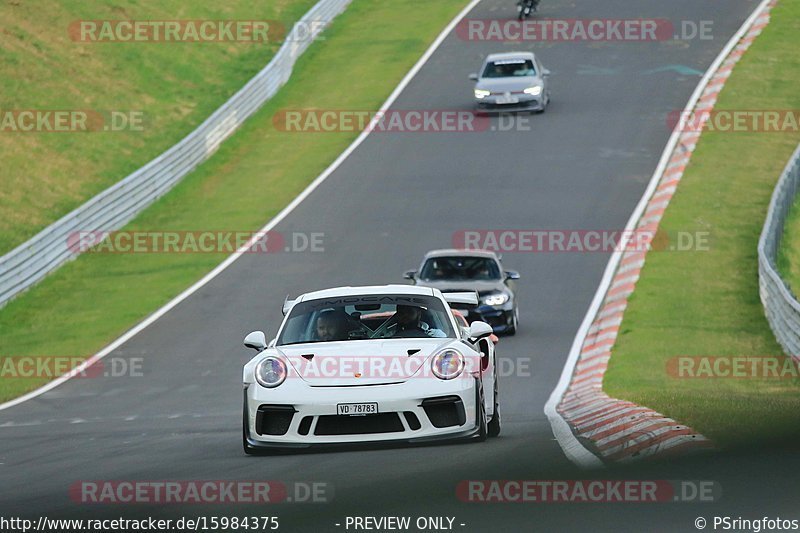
(370, 365)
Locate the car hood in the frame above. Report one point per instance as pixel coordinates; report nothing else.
(508, 84)
(483, 287)
(383, 361)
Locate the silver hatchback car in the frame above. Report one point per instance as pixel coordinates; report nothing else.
(513, 81)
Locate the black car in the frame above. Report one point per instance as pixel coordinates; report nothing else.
(473, 270)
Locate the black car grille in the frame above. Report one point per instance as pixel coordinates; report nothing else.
(445, 412)
(274, 419)
(358, 425)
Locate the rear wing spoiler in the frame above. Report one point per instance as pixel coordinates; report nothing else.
(469, 298)
(287, 305)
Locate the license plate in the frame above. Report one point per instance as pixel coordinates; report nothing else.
(356, 408)
(507, 99)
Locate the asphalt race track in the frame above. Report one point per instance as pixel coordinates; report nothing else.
(582, 165)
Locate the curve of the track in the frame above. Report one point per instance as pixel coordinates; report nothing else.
(583, 165)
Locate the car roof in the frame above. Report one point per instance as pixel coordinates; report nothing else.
(367, 290)
(510, 55)
(455, 252)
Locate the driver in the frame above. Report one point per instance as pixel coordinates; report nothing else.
(331, 326)
(408, 323)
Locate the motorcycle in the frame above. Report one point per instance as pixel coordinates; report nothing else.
(526, 7)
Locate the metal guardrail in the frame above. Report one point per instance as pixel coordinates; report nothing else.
(116, 206)
(780, 305)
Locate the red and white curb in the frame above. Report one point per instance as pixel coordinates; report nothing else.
(591, 427)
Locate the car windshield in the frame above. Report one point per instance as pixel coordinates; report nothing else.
(509, 68)
(460, 269)
(390, 316)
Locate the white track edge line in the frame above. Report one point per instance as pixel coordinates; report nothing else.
(571, 446)
(271, 224)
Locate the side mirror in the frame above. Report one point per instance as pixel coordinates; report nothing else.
(512, 274)
(410, 274)
(473, 76)
(256, 340)
(545, 73)
(478, 330)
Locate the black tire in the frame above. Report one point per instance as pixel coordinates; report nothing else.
(514, 324)
(483, 431)
(495, 425)
(249, 450)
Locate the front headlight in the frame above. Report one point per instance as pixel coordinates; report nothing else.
(447, 364)
(482, 93)
(496, 299)
(270, 372)
(534, 91)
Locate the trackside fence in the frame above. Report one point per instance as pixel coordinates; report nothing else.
(780, 305)
(116, 206)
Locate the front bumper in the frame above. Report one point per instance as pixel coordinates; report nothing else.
(407, 414)
(501, 317)
(526, 103)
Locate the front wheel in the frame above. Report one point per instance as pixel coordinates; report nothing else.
(249, 450)
(483, 429)
(494, 426)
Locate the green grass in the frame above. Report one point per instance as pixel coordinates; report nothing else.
(175, 86)
(707, 302)
(91, 301)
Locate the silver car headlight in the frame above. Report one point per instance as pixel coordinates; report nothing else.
(482, 93)
(270, 372)
(447, 364)
(498, 298)
(533, 91)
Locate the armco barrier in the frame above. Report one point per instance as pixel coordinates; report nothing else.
(113, 208)
(780, 305)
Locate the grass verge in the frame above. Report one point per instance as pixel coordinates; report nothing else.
(172, 86)
(706, 303)
(89, 302)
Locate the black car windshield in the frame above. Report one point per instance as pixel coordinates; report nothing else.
(460, 269)
(360, 317)
(509, 68)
